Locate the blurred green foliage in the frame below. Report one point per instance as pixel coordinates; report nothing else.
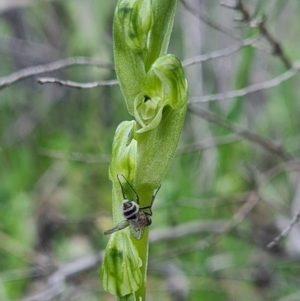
(55, 210)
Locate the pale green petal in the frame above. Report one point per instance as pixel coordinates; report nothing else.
(121, 274)
(153, 124)
(164, 85)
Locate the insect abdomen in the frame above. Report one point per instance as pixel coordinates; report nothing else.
(130, 210)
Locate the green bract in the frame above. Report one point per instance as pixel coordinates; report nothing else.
(164, 85)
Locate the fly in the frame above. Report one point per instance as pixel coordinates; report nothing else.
(135, 216)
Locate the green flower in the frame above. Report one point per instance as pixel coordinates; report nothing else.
(136, 19)
(124, 152)
(164, 85)
(121, 274)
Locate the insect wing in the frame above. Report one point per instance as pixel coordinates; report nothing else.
(120, 226)
(137, 231)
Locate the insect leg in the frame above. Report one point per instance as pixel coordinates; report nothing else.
(136, 195)
(123, 193)
(150, 206)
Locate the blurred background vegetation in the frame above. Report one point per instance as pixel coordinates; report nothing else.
(229, 192)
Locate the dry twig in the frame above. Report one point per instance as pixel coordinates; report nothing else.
(237, 218)
(196, 227)
(265, 143)
(213, 202)
(273, 172)
(208, 143)
(206, 98)
(220, 53)
(208, 21)
(260, 24)
(250, 89)
(44, 68)
(71, 84)
(56, 282)
(286, 231)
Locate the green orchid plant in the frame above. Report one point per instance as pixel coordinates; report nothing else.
(156, 92)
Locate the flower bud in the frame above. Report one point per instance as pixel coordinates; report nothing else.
(136, 20)
(124, 152)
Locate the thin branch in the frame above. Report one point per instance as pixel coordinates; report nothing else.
(73, 156)
(71, 84)
(243, 211)
(250, 89)
(260, 24)
(273, 172)
(44, 68)
(265, 143)
(237, 218)
(213, 202)
(220, 53)
(238, 6)
(286, 231)
(56, 282)
(208, 21)
(175, 232)
(208, 143)
(218, 227)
